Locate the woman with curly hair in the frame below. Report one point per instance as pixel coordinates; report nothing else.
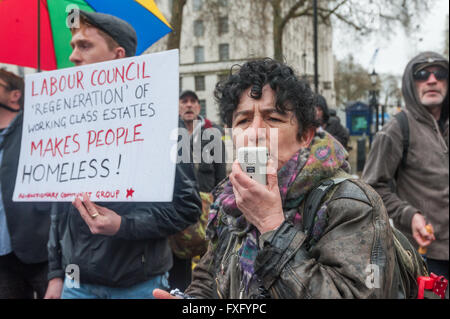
(259, 247)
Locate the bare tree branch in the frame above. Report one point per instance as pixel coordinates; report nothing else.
(347, 21)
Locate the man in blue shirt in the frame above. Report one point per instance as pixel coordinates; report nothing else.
(24, 227)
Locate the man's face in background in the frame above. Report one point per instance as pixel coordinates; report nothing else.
(8, 96)
(319, 114)
(432, 91)
(4, 92)
(189, 108)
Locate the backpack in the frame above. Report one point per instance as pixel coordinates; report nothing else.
(402, 120)
(409, 264)
(191, 242)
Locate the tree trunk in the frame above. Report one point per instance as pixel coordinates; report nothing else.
(278, 27)
(176, 22)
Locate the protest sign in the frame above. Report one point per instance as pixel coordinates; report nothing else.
(104, 129)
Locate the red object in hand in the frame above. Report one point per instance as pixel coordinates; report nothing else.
(438, 284)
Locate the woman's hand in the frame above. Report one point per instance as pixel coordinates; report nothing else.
(260, 204)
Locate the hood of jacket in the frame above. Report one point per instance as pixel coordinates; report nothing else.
(412, 100)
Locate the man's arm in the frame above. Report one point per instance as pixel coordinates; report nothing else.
(149, 220)
(55, 269)
(379, 171)
(165, 219)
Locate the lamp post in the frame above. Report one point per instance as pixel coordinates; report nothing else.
(374, 97)
(305, 74)
(316, 47)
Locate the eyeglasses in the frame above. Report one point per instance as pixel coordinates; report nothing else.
(423, 75)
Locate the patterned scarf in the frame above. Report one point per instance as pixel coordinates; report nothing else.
(303, 172)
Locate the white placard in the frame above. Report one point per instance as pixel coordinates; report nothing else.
(105, 129)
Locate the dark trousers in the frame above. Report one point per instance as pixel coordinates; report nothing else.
(439, 267)
(19, 280)
(180, 276)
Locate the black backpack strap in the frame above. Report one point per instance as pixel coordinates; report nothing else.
(402, 120)
(314, 200)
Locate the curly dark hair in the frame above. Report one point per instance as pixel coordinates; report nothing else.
(292, 93)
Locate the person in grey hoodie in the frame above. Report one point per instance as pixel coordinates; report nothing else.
(421, 195)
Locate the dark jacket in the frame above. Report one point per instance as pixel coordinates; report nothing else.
(422, 184)
(28, 223)
(357, 235)
(352, 234)
(335, 128)
(138, 251)
(211, 173)
(331, 123)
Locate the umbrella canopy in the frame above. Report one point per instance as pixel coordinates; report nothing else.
(19, 21)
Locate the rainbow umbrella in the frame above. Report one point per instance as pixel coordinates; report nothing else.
(33, 33)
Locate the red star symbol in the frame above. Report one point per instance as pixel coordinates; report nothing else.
(130, 192)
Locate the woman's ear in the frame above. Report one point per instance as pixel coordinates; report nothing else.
(307, 137)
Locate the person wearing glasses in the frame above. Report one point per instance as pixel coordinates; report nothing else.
(420, 195)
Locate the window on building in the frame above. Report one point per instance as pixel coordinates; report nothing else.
(223, 25)
(223, 3)
(327, 85)
(199, 54)
(181, 84)
(200, 83)
(202, 107)
(224, 52)
(199, 29)
(198, 5)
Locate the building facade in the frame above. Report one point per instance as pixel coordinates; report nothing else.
(219, 34)
(19, 70)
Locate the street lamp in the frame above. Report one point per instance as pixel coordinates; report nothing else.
(316, 47)
(305, 76)
(374, 97)
(373, 78)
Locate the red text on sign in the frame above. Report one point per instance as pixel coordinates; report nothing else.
(116, 136)
(56, 146)
(50, 86)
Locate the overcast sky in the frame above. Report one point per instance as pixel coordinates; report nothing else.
(394, 54)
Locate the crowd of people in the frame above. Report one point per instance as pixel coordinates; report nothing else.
(261, 241)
